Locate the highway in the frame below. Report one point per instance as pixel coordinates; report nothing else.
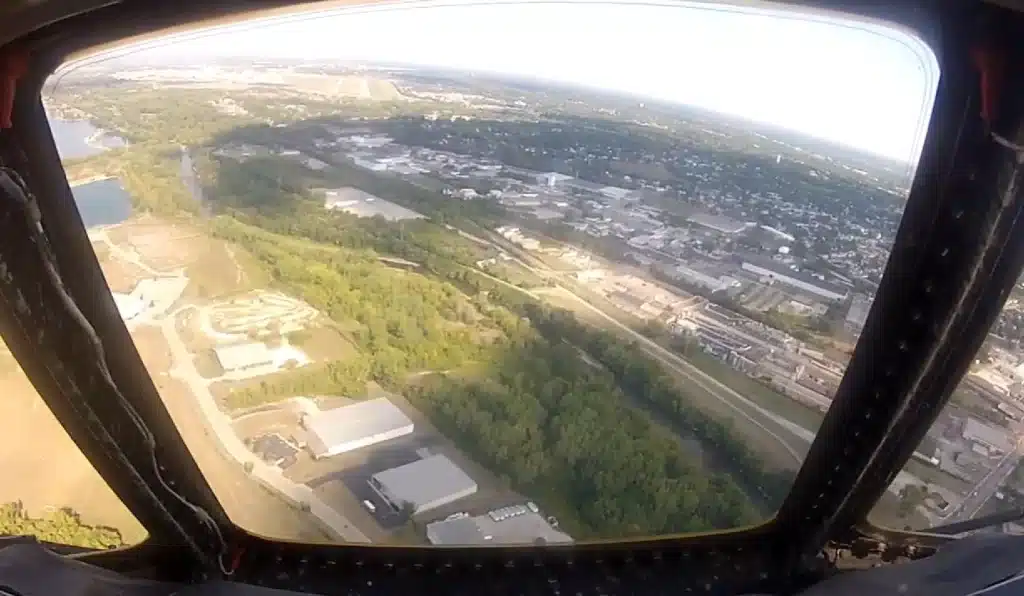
(985, 489)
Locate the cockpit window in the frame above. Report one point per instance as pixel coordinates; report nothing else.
(968, 468)
(464, 274)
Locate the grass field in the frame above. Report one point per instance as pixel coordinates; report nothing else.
(757, 392)
(207, 364)
(515, 274)
(222, 271)
(323, 343)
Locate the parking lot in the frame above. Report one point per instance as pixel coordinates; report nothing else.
(274, 450)
(391, 454)
(342, 481)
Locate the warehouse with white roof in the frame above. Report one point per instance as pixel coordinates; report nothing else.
(243, 356)
(424, 484)
(331, 432)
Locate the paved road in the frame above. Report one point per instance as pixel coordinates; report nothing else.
(985, 490)
(795, 446)
(712, 386)
(183, 369)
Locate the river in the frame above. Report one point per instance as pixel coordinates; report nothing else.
(191, 181)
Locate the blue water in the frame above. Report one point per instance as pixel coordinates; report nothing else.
(71, 135)
(102, 203)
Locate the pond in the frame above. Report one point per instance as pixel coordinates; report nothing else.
(79, 138)
(102, 203)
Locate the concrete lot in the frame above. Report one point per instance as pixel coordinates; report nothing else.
(342, 480)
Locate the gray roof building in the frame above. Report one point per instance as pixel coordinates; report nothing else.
(719, 223)
(991, 437)
(774, 270)
(425, 484)
(524, 527)
(351, 427)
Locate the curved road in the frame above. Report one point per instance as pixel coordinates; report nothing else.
(183, 369)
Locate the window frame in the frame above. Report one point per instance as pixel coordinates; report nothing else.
(809, 517)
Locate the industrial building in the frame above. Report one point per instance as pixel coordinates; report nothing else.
(857, 315)
(331, 432)
(519, 524)
(778, 272)
(363, 204)
(552, 179)
(702, 279)
(719, 223)
(989, 438)
(236, 357)
(424, 484)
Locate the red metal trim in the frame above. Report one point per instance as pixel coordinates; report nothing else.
(236, 560)
(13, 65)
(990, 69)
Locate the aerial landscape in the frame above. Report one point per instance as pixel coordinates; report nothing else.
(418, 306)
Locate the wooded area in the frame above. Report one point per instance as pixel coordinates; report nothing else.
(532, 410)
(63, 526)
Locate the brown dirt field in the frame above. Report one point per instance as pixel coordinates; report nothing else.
(121, 276)
(247, 503)
(102, 250)
(215, 269)
(50, 469)
(163, 244)
(207, 364)
(152, 347)
(188, 327)
(214, 274)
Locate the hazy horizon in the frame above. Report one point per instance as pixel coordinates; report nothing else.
(858, 85)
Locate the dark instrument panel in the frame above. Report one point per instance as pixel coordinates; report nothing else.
(975, 565)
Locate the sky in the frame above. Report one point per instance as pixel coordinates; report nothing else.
(861, 85)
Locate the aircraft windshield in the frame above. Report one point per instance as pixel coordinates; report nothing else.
(509, 273)
(969, 466)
